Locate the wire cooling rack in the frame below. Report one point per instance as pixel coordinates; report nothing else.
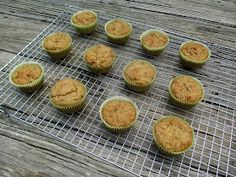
(213, 120)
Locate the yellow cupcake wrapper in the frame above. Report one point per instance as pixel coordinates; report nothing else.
(94, 69)
(193, 64)
(58, 54)
(118, 39)
(182, 104)
(161, 147)
(113, 128)
(33, 86)
(71, 108)
(84, 29)
(133, 86)
(153, 50)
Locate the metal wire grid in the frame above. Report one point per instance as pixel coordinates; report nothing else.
(213, 153)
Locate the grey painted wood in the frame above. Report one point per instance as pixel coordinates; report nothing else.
(25, 151)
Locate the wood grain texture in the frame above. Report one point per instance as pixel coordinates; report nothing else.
(24, 150)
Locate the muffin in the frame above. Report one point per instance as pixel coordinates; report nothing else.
(185, 91)
(118, 31)
(118, 113)
(27, 76)
(84, 21)
(99, 58)
(194, 54)
(139, 75)
(68, 95)
(57, 45)
(154, 41)
(173, 135)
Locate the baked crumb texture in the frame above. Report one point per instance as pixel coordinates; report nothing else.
(118, 114)
(57, 45)
(99, 58)
(173, 135)
(68, 95)
(85, 21)
(118, 31)
(194, 54)
(27, 76)
(186, 90)
(139, 75)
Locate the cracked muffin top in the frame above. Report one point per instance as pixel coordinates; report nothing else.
(140, 73)
(186, 89)
(56, 41)
(195, 51)
(84, 18)
(118, 27)
(99, 56)
(26, 74)
(68, 92)
(154, 39)
(119, 113)
(173, 134)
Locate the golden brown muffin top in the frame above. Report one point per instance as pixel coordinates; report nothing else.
(195, 51)
(119, 113)
(173, 134)
(140, 73)
(118, 27)
(186, 89)
(155, 39)
(57, 41)
(67, 92)
(100, 56)
(26, 74)
(84, 18)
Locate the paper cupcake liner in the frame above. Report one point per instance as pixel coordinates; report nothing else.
(113, 128)
(97, 70)
(189, 63)
(33, 86)
(182, 104)
(71, 108)
(84, 29)
(135, 87)
(161, 147)
(118, 39)
(151, 50)
(61, 53)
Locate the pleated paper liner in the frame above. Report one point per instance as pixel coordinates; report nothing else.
(97, 70)
(84, 29)
(71, 108)
(153, 50)
(114, 128)
(183, 104)
(133, 86)
(118, 39)
(58, 54)
(30, 87)
(190, 63)
(160, 145)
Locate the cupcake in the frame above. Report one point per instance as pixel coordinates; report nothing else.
(173, 135)
(154, 41)
(84, 21)
(185, 91)
(118, 31)
(118, 113)
(139, 75)
(27, 76)
(57, 45)
(99, 58)
(68, 95)
(194, 54)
